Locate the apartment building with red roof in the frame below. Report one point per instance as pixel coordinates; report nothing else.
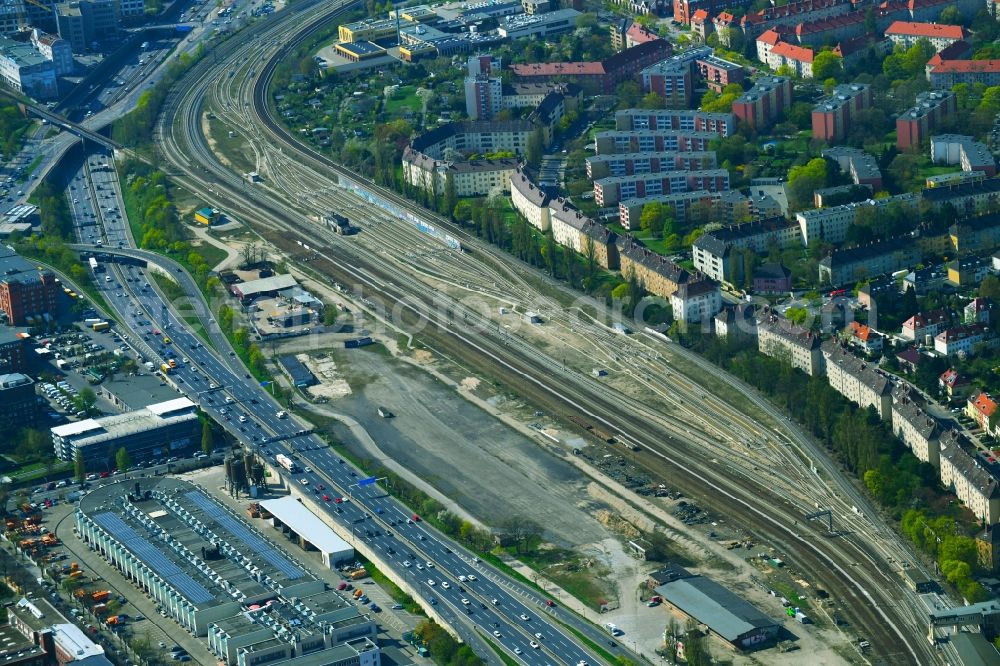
(941, 36)
(597, 77)
(949, 73)
(798, 58)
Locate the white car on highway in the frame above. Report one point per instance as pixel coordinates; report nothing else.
(445, 585)
(304, 482)
(430, 581)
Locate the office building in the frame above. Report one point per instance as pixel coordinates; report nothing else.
(160, 430)
(538, 25)
(88, 24)
(25, 70)
(56, 49)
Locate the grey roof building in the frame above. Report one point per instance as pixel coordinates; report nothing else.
(155, 431)
(216, 575)
(299, 373)
(725, 614)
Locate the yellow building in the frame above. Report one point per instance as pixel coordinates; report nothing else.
(206, 216)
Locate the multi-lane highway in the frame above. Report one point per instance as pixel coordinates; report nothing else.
(482, 604)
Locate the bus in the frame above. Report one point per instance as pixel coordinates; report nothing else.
(94, 266)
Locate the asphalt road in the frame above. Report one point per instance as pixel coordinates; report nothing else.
(489, 603)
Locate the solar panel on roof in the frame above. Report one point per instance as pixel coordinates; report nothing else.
(238, 530)
(154, 558)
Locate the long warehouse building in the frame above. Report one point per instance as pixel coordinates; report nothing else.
(219, 578)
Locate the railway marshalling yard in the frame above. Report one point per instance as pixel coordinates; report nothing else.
(455, 430)
(709, 431)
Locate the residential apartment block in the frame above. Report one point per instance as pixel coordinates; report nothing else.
(971, 482)
(948, 73)
(962, 339)
(842, 267)
(915, 126)
(831, 224)
(673, 78)
(781, 338)
(979, 233)
(857, 380)
(832, 115)
(609, 191)
(597, 77)
(470, 178)
(859, 165)
(628, 164)
(726, 207)
(966, 198)
(568, 226)
(722, 124)
(474, 136)
(940, 35)
(915, 428)
(965, 151)
(925, 324)
(713, 252)
(982, 409)
(648, 141)
(696, 301)
(660, 276)
(765, 102)
(719, 73)
(785, 54)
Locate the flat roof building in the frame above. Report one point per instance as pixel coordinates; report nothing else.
(215, 574)
(27, 291)
(155, 431)
(311, 531)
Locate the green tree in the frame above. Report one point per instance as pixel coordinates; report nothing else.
(804, 180)
(207, 437)
(652, 218)
(122, 459)
(536, 145)
(79, 467)
(951, 15)
(827, 65)
(990, 288)
(85, 400)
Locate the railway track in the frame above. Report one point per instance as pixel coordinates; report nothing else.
(848, 569)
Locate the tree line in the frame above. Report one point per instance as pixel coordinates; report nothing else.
(907, 488)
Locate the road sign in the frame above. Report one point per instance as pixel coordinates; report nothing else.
(366, 482)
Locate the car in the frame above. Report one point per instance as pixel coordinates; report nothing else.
(525, 617)
(304, 482)
(472, 577)
(430, 565)
(538, 635)
(321, 487)
(517, 650)
(338, 500)
(446, 585)
(495, 601)
(162, 644)
(465, 602)
(406, 563)
(420, 567)
(550, 603)
(326, 498)
(397, 607)
(497, 634)
(430, 581)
